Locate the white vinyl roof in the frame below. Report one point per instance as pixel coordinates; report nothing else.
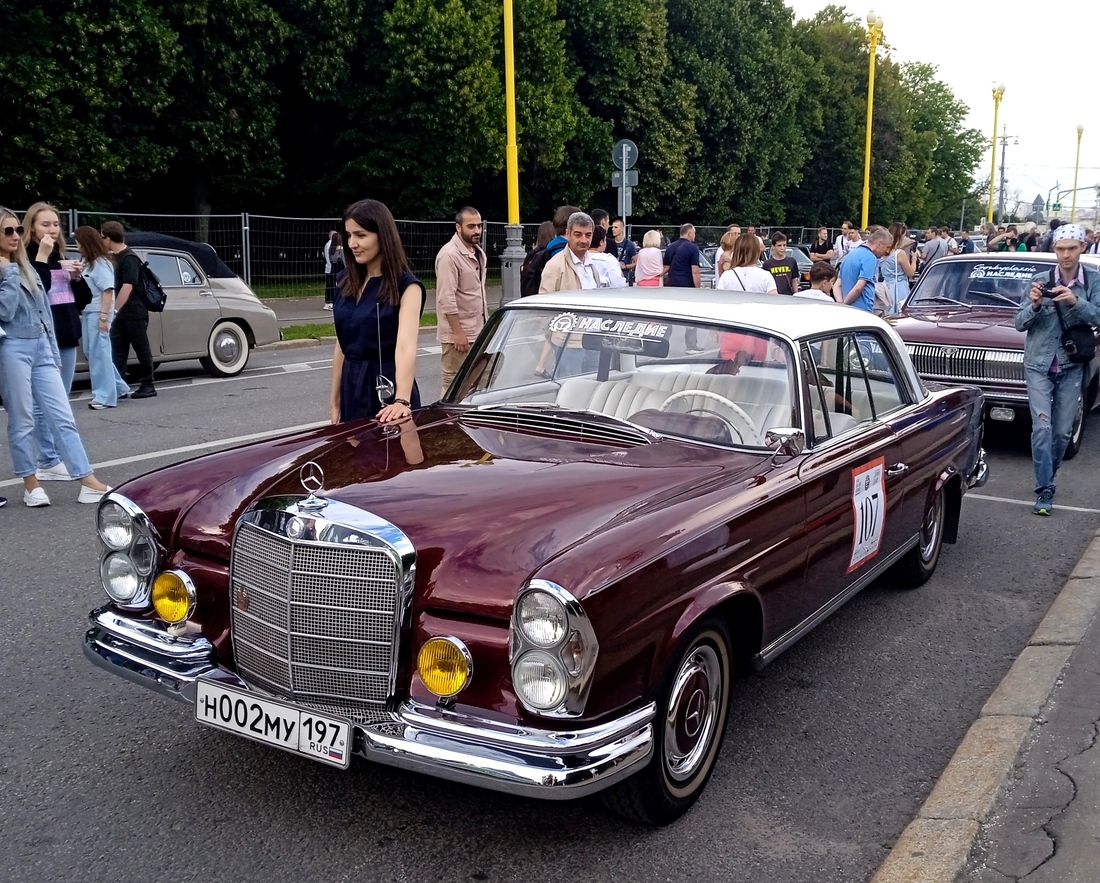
(783, 315)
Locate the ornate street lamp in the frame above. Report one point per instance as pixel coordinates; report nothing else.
(998, 94)
(1076, 169)
(874, 37)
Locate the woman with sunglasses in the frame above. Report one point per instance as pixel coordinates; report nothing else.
(377, 319)
(99, 273)
(30, 372)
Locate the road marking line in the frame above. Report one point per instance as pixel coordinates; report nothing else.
(187, 449)
(1030, 503)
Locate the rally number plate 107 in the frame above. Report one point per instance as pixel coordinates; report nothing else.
(299, 730)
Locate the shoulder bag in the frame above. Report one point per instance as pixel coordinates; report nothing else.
(1079, 340)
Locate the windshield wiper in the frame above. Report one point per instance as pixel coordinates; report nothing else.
(944, 299)
(996, 295)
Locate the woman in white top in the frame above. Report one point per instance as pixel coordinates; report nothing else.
(743, 274)
(651, 263)
(610, 273)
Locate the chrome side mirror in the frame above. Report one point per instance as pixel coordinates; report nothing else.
(787, 440)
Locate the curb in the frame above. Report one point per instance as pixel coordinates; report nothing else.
(936, 845)
(294, 344)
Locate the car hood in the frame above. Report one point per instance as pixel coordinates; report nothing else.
(484, 508)
(958, 326)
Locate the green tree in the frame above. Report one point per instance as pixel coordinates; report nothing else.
(223, 114)
(83, 90)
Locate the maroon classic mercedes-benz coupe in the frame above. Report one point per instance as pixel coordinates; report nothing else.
(545, 583)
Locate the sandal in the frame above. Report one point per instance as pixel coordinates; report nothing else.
(545, 375)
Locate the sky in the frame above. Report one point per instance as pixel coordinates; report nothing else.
(975, 46)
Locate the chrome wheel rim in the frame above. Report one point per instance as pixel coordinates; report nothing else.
(227, 348)
(692, 715)
(930, 530)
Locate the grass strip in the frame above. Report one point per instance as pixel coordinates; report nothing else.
(314, 330)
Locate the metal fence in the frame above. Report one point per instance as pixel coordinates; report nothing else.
(283, 256)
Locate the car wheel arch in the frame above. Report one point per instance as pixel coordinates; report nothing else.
(737, 604)
(950, 482)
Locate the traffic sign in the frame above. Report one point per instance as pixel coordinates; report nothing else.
(1056, 207)
(631, 178)
(626, 202)
(624, 154)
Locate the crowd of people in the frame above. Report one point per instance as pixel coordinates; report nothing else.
(51, 303)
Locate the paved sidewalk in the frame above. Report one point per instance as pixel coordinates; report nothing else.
(1020, 799)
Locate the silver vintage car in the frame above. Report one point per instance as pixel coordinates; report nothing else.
(211, 314)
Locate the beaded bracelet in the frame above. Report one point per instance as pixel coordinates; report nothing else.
(404, 402)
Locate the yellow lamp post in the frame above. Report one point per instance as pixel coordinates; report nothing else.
(998, 94)
(512, 256)
(874, 36)
(511, 150)
(1076, 169)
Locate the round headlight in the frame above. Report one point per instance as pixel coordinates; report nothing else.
(542, 618)
(173, 596)
(445, 666)
(539, 680)
(116, 527)
(120, 579)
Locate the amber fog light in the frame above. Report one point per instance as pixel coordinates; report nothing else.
(445, 666)
(173, 596)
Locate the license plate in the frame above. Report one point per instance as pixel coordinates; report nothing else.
(299, 730)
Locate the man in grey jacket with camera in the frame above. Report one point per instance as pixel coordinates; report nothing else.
(1053, 363)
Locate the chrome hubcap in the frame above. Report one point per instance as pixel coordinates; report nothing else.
(692, 713)
(227, 347)
(930, 530)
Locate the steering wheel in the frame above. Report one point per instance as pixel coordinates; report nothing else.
(736, 409)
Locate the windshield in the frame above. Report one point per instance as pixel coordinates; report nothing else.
(978, 283)
(690, 380)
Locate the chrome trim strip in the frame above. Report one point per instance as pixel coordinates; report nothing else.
(980, 475)
(829, 608)
(497, 755)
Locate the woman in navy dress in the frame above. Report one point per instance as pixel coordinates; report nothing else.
(377, 318)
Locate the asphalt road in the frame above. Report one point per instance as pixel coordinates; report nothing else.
(829, 753)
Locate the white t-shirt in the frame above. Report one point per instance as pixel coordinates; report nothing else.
(611, 274)
(747, 279)
(815, 294)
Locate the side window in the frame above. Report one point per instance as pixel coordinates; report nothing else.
(166, 267)
(884, 392)
(189, 273)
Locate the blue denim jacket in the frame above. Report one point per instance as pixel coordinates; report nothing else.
(1044, 331)
(24, 313)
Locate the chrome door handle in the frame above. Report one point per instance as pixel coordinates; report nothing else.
(897, 469)
(205, 293)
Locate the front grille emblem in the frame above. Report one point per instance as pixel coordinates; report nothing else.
(948, 351)
(312, 477)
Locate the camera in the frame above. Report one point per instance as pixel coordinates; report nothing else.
(1048, 290)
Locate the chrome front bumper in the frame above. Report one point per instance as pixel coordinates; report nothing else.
(548, 764)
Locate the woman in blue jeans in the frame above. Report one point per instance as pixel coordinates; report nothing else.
(30, 372)
(99, 273)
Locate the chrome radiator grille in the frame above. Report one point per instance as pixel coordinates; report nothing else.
(968, 365)
(314, 622)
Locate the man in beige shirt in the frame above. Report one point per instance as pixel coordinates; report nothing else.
(460, 305)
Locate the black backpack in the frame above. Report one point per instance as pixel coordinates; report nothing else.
(155, 295)
(530, 274)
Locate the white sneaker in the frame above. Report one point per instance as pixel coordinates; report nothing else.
(328, 306)
(57, 472)
(36, 498)
(87, 495)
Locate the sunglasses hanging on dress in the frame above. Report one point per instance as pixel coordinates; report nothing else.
(383, 386)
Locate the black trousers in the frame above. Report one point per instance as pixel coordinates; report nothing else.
(126, 333)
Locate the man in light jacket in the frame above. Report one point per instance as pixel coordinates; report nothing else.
(1069, 295)
(460, 304)
(571, 270)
